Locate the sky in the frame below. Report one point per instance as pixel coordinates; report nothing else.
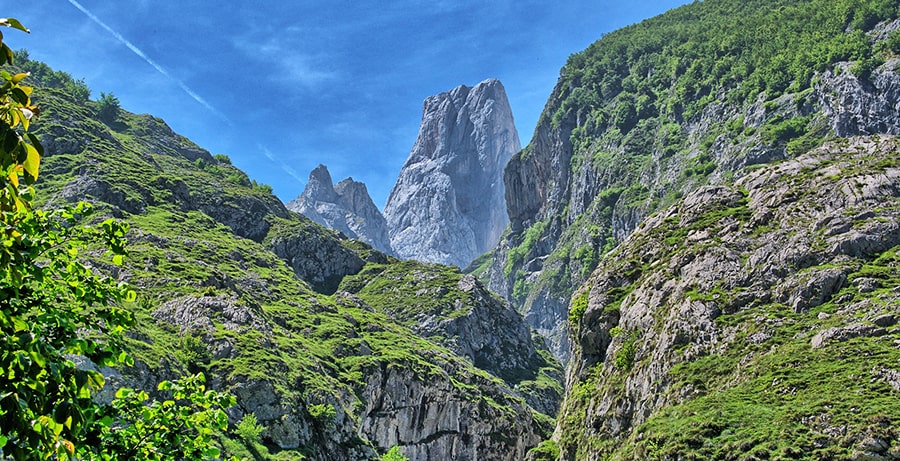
(283, 86)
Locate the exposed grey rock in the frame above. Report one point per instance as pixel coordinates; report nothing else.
(198, 313)
(892, 377)
(345, 207)
(433, 420)
(671, 291)
(319, 261)
(448, 203)
(856, 106)
(845, 333)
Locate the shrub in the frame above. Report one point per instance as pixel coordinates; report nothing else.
(249, 429)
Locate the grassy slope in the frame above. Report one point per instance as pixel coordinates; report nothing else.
(315, 349)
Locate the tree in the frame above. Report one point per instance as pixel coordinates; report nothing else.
(178, 428)
(108, 108)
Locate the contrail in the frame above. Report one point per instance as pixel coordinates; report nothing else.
(284, 167)
(287, 169)
(153, 63)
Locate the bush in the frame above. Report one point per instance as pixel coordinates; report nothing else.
(249, 429)
(394, 454)
(108, 108)
(545, 451)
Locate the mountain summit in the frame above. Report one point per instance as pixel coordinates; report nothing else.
(345, 206)
(448, 204)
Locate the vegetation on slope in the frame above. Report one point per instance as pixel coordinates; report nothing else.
(750, 321)
(652, 111)
(233, 285)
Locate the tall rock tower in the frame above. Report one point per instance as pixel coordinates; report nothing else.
(448, 204)
(345, 206)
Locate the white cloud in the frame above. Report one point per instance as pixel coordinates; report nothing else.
(285, 52)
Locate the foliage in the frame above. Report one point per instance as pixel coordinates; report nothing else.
(545, 451)
(53, 307)
(578, 308)
(518, 253)
(260, 187)
(624, 356)
(324, 413)
(178, 428)
(56, 310)
(108, 108)
(249, 429)
(394, 454)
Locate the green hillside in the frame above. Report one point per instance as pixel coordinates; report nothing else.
(232, 284)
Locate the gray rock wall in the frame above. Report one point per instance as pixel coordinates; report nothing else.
(448, 205)
(345, 206)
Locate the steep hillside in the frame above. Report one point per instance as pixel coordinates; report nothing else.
(751, 321)
(653, 111)
(233, 284)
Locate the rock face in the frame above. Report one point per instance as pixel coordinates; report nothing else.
(448, 203)
(719, 294)
(568, 203)
(345, 206)
(435, 420)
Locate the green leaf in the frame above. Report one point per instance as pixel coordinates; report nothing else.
(3, 440)
(19, 96)
(32, 161)
(14, 23)
(36, 143)
(118, 260)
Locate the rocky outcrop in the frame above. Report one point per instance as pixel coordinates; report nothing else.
(457, 312)
(776, 264)
(437, 420)
(448, 203)
(345, 207)
(319, 260)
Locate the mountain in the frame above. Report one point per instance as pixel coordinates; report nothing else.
(345, 206)
(341, 352)
(448, 205)
(653, 111)
(757, 318)
(704, 228)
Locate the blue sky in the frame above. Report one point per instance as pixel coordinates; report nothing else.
(281, 86)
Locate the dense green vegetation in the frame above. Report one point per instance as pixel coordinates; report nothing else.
(674, 65)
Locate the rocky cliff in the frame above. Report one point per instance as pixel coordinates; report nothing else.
(757, 318)
(629, 129)
(345, 207)
(448, 204)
